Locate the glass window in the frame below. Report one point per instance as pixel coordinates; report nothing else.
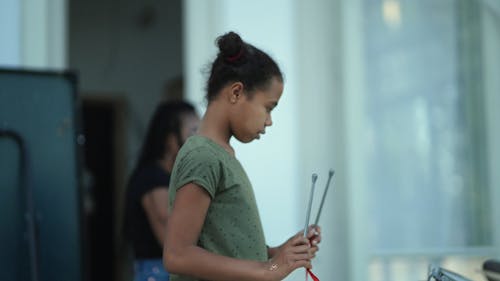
(428, 195)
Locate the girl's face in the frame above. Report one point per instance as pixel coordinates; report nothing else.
(251, 115)
(189, 125)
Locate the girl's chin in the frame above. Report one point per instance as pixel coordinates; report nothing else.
(247, 139)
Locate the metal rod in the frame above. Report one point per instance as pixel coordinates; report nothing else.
(330, 175)
(311, 194)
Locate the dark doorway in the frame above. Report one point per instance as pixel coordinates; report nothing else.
(98, 128)
(106, 256)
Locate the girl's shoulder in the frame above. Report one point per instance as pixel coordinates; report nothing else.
(200, 144)
(200, 149)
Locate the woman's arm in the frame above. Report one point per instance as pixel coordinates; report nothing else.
(155, 204)
(181, 254)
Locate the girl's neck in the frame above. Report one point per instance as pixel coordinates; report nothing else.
(215, 126)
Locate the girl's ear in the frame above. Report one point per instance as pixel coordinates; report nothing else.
(235, 92)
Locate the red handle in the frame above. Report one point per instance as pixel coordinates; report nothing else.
(309, 272)
(314, 277)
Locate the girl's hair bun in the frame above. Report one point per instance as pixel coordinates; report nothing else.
(239, 61)
(231, 47)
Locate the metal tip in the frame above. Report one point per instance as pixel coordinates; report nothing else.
(331, 172)
(314, 177)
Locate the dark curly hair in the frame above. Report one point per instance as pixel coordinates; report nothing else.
(240, 61)
(166, 120)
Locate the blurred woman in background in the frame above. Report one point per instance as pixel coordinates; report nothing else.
(146, 208)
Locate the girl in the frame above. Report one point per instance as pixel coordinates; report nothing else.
(147, 193)
(214, 230)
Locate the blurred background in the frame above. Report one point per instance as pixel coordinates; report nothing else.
(400, 97)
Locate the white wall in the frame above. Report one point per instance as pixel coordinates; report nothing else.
(117, 57)
(33, 34)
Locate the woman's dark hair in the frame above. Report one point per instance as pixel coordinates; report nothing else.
(240, 61)
(166, 120)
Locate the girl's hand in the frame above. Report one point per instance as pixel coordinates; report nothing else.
(294, 253)
(314, 236)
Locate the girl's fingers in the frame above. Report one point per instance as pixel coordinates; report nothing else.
(314, 250)
(299, 257)
(303, 254)
(302, 263)
(318, 228)
(314, 231)
(301, 249)
(297, 261)
(315, 241)
(315, 236)
(299, 240)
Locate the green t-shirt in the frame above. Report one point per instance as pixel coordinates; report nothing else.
(232, 225)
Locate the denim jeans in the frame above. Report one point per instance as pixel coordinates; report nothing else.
(149, 270)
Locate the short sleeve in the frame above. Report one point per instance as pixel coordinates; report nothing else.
(200, 166)
(149, 178)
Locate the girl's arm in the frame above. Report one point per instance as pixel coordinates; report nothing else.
(155, 204)
(181, 255)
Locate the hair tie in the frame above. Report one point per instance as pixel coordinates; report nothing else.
(235, 57)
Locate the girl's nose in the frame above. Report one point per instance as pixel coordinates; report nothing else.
(269, 121)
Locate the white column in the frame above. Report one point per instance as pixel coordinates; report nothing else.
(201, 21)
(9, 33)
(491, 63)
(44, 34)
(322, 130)
(353, 71)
